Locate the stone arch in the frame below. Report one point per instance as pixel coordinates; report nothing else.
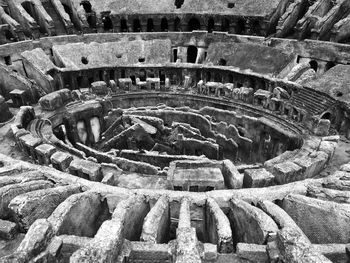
(164, 25)
(107, 23)
(193, 24)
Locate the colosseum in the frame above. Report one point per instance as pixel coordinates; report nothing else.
(178, 131)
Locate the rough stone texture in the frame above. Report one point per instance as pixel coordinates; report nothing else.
(155, 226)
(251, 225)
(233, 179)
(334, 252)
(108, 240)
(8, 229)
(61, 160)
(287, 172)
(218, 226)
(67, 217)
(44, 152)
(86, 169)
(7, 193)
(252, 252)
(257, 178)
(39, 204)
(328, 194)
(295, 248)
(38, 236)
(321, 221)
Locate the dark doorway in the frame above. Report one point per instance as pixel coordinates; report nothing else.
(192, 52)
(107, 23)
(314, 65)
(137, 25)
(123, 25)
(150, 25)
(177, 24)
(164, 25)
(240, 26)
(211, 25)
(193, 24)
(87, 6)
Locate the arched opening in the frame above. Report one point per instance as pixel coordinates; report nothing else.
(177, 24)
(84, 60)
(230, 78)
(217, 77)
(211, 25)
(107, 23)
(193, 24)
(87, 6)
(150, 25)
(175, 54)
(137, 25)
(314, 65)
(164, 25)
(123, 25)
(240, 26)
(255, 28)
(222, 62)
(329, 65)
(192, 52)
(143, 75)
(208, 76)
(326, 116)
(179, 3)
(225, 26)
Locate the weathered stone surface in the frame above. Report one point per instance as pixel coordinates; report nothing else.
(218, 226)
(39, 204)
(287, 172)
(61, 160)
(321, 221)
(252, 252)
(147, 252)
(8, 229)
(108, 240)
(258, 178)
(328, 194)
(86, 169)
(252, 225)
(155, 226)
(44, 152)
(21, 178)
(334, 252)
(7, 193)
(84, 207)
(294, 248)
(37, 238)
(233, 179)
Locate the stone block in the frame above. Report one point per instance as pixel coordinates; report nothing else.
(8, 229)
(61, 160)
(30, 142)
(328, 147)
(51, 101)
(287, 172)
(44, 152)
(233, 179)
(210, 251)
(258, 178)
(86, 169)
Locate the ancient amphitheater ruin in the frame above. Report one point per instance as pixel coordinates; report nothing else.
(181, 131)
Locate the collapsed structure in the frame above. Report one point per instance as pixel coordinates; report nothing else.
(174, 131)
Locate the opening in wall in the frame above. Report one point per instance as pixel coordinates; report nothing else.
(137, 25)
(174, 54)
(123, 25)
(177, 24)
(164, 25)
(179, 3)
(107, 23)
(329, 65)
(314, 65)
(211, 25)
(87, 6)
(193, 24)
(192, 52)
(240, 26)
(8, 60)
(150, 25)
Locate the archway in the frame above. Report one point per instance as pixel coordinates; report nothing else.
(193, 24)
(137, 25)
(87, 6)
(150, 25)
(107, 23)
(314, 65)
(123, 25)
(225, 26)
(177, 24)
(211, 25)
(192, 52)
(329, 65)
(240, 26)
(164, 25)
